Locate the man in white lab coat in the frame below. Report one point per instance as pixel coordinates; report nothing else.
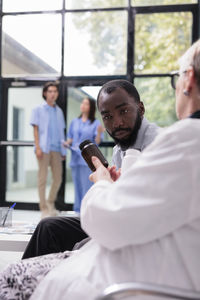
(146, 225)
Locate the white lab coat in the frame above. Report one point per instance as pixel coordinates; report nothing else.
(144, 227)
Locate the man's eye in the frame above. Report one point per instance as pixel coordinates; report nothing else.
(107, 117)
(124, 111)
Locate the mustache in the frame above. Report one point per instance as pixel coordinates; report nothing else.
(121, 129)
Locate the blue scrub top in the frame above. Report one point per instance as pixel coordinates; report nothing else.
(78, 132)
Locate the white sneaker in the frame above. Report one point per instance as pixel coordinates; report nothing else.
(45, 213)
(53, 212)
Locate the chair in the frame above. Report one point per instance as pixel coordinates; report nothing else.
(124, 290)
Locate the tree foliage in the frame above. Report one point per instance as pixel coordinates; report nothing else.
(108, 38)
(161, 38)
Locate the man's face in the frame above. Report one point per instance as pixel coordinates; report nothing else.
(51, 95)
(121, 116)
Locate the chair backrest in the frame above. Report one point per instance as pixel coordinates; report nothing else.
(124, 290)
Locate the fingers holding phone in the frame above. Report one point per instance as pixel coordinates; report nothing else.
(101, 173)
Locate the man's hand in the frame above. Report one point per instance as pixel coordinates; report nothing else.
(38, 153)
(115, 174)
(101, 172)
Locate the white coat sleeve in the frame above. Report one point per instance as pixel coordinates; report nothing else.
(151, 199)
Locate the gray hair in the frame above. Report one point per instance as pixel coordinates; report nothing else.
(192, 58)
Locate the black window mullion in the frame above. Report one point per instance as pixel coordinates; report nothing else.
(195, 26)
(1, 38)
(3, 136)
(63, 39)
(165, 8)
(197, 21)
(130, 43)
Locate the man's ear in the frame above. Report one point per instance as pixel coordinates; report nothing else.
(189, 79)
(141, 108)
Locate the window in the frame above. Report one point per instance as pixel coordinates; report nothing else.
(160, 39)
(80, 4)
(31, 5)
(95, 43)
(31, 45)
(158, 98)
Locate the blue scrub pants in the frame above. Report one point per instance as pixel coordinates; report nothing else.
(80, 176)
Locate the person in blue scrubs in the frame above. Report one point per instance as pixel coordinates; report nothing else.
(85, 127)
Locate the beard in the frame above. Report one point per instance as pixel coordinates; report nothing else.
(131, 139)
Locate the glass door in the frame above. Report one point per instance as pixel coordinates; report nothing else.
(19, 165)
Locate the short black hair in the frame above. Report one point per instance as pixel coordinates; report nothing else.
(47, 85)
(110, 86)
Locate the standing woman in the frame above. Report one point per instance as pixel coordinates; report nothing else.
(85, 127)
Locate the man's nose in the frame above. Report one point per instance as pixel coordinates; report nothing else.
(117, 123)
